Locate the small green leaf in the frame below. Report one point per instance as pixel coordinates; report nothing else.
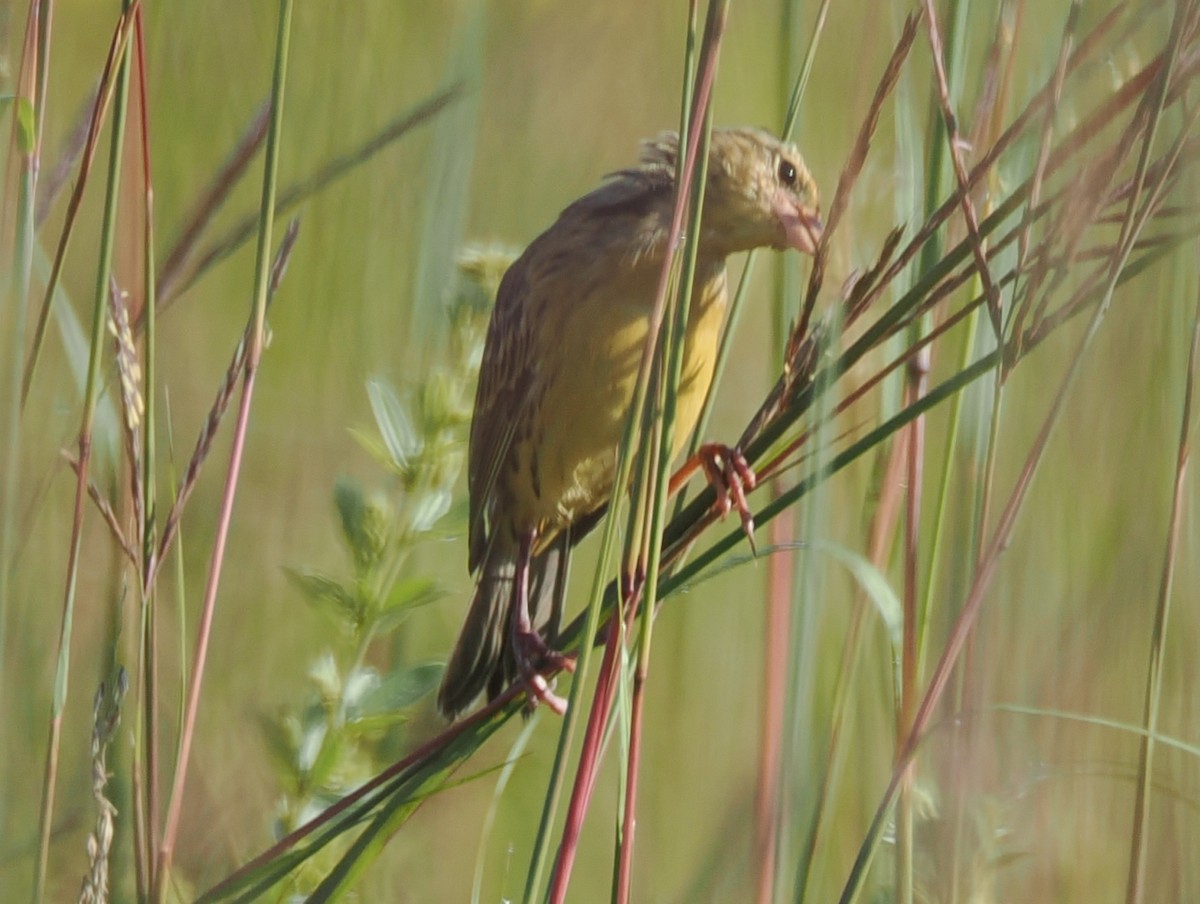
(280, 735)
(401, 689)
(438, 400)
(366, 523)
(406, 596)
(373, 447)
(327, 594)
(413, 592)
(395, 425)
(352, 506)
(376, 725)
(326, 761)
(429, 509)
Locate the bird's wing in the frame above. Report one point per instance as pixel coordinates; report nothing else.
(622, 217)
(501, 401)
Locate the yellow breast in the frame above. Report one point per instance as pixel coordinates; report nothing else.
(586, 385)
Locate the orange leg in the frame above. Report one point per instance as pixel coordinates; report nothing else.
(730, 476)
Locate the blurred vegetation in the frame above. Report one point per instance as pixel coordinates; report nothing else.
(352, 723)
(556, 93)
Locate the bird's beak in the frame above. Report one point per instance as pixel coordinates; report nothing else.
(801, 225)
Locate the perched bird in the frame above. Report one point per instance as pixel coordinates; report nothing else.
(557, 380)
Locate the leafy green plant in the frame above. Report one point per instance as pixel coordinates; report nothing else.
(355, 712)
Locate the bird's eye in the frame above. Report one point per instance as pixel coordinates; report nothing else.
(787, 173)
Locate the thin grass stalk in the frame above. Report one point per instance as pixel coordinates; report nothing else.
(90, 396)
(636, 548)
(918, 379)
(178, 277)
(736, 305)
(672, 358)
(781, 576)
(50, 184)
(254, 354)
(882, 532)
(967, 693)
(149, 807)
(687, 175)
(1134, 220)
(989, 113)
(688, 88)
(703, 70)
(954, 143)
(883, 522)
(946, 471)
(623, 678)
(484, 721)
(515, 754)
(644, 530)
(27, 147)
(781, 569)
(911, 450)
(44, 30)
(1135, 884)
(105, 510)
(1125, 729)
(223, 182)
(694, 158)
(104, 98)
(1043, 158)
(963, 744)
(806, 599)
(944, 136)
(144, 846)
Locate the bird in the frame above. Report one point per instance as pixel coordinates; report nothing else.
(557, 378)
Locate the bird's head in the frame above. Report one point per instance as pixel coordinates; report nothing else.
(759, 192)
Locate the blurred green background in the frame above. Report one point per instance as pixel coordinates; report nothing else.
(564, 90)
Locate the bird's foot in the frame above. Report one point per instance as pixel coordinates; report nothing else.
(535, 658)
(730, 476)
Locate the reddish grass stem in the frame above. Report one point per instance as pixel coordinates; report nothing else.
(1135, 219)
(108, 84)
(258, 320)
(425, 751)
(767, 802)
(589, 763)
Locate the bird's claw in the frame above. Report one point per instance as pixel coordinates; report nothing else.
(537, 690)
(534, 658)
(730, 476)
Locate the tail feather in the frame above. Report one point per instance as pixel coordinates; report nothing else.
(483, 657)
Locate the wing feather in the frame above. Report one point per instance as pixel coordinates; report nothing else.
(501, 400)
(628, 213)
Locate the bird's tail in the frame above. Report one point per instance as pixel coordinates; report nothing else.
(483, 657)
